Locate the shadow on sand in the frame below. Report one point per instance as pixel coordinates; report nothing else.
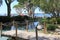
(45, 38)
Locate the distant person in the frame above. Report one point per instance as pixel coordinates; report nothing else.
(13, 28)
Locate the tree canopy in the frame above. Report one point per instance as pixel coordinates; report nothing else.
(51, 6)
(29, 5)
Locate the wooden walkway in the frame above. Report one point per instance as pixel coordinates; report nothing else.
(30, 35)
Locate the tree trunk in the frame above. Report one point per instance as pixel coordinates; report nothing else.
(57, 15)
(8, 10)
(45, 28)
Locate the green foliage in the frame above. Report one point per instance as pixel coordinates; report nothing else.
(53, 20)
(58, 20)
(18, 6)
(50, 6)
(5, 19)
(51, 27)
(28, 3)
(6, 28)
(16, 18)
(22, 1)
(50, 20)
(44, 20)
(35, 2)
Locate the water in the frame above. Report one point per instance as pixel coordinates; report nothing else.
(3, 38)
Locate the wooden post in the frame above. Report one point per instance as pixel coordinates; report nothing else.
(0, 28)
(13, 23)
(27, 25)
(36, 34)
(16, 31)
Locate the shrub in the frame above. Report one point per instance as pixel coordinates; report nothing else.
(51, 27)
(58, 20)
(6, 28)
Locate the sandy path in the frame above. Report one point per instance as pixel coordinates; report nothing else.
(32, 36)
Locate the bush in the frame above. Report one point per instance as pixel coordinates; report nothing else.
(51, 27)
(6, 28)
(58, 20)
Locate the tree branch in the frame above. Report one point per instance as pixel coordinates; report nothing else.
(10, 2)
(6, 2)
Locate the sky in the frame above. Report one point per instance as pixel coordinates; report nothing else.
(3, 9)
